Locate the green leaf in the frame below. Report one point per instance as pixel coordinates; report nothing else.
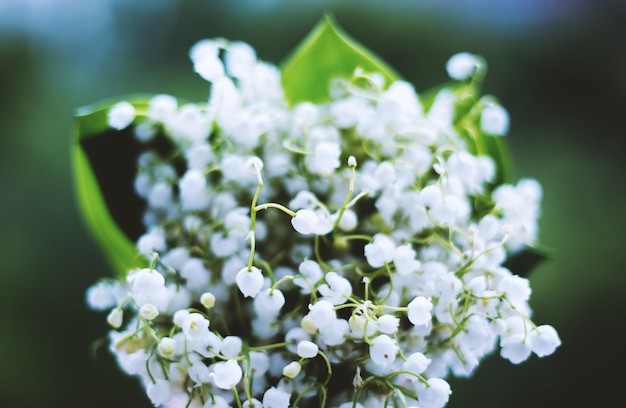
(326, 53)
(104, 163)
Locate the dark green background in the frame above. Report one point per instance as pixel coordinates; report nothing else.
(559, 69)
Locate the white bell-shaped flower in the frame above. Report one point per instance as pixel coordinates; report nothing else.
(252, 403)
(162, 107)
(308, 222)
(231, 346)
(206, 62)
(250, 281)
(199, 372)
(416, 362)
(216, 401)
(240, 58)
(259, 363)
(388, 324)
(310, 273)
(292, 369)
(322, 313)
(148, 286)
(379, 251)
(544, 340)
(325, 158)
(304, 200)
(294, 336)
(349, 220)
(307, 349)
(167, 347)
(160, 195)
(515, 348)
(334, 332)
(199, 156)
(238, 169)
(227, 374)
(269, 302)
(461, 66)
(494, 120)
(276, 398)
(195, 273)
(207, 299)
(336, 290)
(103, 295)
(115, 318)
(121, 115)
(435, 395)
(152, 241)
(190, 124)
(404, 260)
(149, 311)
(419, 311)
(195, 326)
(180, 316)
(159, 392)
(383, 350)
(193, 190)
(515, 288)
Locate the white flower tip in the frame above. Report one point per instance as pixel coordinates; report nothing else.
(462, 66)
(351, 161)
(254, 163)
(307, 349)
(167, 347)
(207, 299)
(115, 318)
(149, 311)
(494, 120)
(292, 369)
(121, 115)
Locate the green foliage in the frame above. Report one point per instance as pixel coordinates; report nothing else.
(91, 125)
(326, 53)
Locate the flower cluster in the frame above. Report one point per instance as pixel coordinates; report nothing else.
(344, 254)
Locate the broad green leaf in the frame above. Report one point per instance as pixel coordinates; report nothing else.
(326, 53)
(103, 162)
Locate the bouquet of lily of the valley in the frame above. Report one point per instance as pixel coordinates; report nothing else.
(318, 234)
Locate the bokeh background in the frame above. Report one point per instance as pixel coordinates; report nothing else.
(559, 67)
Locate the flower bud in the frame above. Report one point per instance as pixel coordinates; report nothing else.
(307, 349)
(208, 300)
(149, 311)
(167, 347)
(115, 318)
(292, 369)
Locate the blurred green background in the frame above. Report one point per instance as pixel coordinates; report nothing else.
(558, 66)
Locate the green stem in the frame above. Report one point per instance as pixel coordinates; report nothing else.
(328, 366)
(237, 399)
(253, 217)
(347, 199)
(281, 280)
(277, 206)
